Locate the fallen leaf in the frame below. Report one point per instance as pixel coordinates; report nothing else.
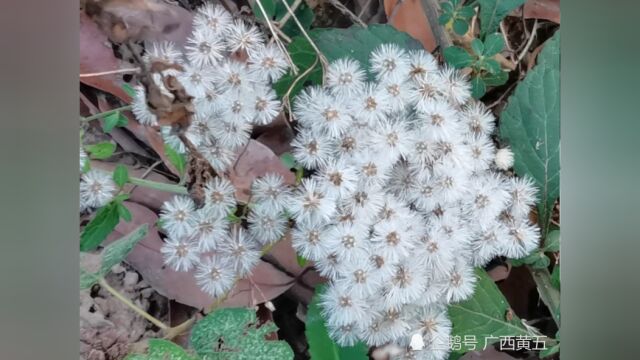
(277, 136)
(542, 9)
(255, 161)
(139, 20)
(410, 18)
(96, 55)
(181, 286)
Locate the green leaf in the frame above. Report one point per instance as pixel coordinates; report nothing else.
(458, 57)
(233, 334)
(530, 123)
(552, 243)
(176, 159)
(550, 351)
(460, 26)
(444, 18)
(491, 66)
(101, 150)
(542, 261)
(477, 46)
(112, 120)
(120, 198)
(129, 90)
(106, 219)
(289, 161)
(493, 44)
(301, 261)
(355, 42)
(493, 11)
(446, 7)
(497, 79)
(123, 212)
(537, 260)
(116, 251)
(269, 7)
(160, 349)
(120, 175)
(321, 346)
(555, 276)
(484, 315)
(478, 87)
(466, 12)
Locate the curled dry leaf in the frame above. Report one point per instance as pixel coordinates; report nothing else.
(408, 16)
(138, 20)
(500, 272)
(181, 286)
(256, 160)
(542, 9)
(96, 55)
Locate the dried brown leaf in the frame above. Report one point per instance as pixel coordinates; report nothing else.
(96, 55)
(542, 9)
(255, 161)
(138, 20)
(409, 16)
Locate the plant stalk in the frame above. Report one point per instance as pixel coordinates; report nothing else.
(131, 305)
(106, 113)
(159, 186)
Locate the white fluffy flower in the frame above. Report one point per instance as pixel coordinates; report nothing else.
(389, 60)
(96, 189)
(266, 106)
(220, 157)
(177, 216)
(341, 178)
(219, 196)
(312, 150)
(269, 63)
(215, 276)
(204, 47)
(345, 77)
(244, 37)
(310, 239)
(341, 306)
(504, 159)
(209, 228)
(271, 193)
(180, 253)
(213, 18)
(242, 251)
(165, 51)
(266, 226)
(312, 202)
(422, 64)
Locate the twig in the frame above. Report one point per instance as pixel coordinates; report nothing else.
(343, 9)
(284, 36)
(430, 8)
(364, 8)
(294, 68)
(119, 71)
(286, 98)
(504, 94)
(323, 60)
(106, 113)
(506, 39)
(179, 329)
(146, 173)
(286, 16)
(394, 11)
(131, 305)
(534, 31)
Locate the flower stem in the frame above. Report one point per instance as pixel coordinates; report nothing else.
(131, 305)
(159, 186)
(179, 329)
(106, 113)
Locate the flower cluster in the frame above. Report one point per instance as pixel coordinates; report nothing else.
(404, 200)
(96, 187)
(228, 69)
